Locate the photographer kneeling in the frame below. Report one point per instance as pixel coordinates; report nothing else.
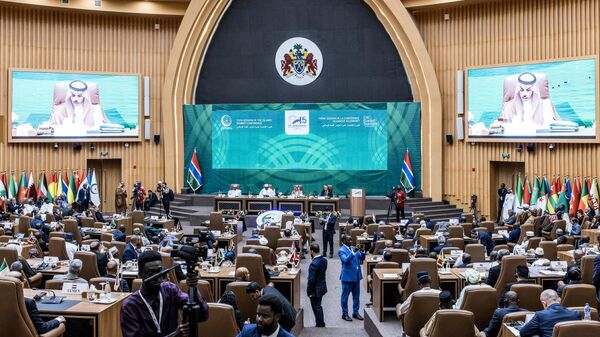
(153, 310)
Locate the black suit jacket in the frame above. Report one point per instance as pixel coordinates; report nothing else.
(493, 328)
(317, 273)
(288, 318)
(329, 224)
(40, 326)
(493, 275)
(102, 261)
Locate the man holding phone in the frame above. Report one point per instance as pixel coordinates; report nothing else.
(351, 258)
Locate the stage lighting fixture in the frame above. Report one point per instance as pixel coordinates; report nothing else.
(92, 147)
(55, 146)
(530, 148)
(551, 147)
(77, 147)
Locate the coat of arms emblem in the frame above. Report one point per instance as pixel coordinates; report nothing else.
(299, 61)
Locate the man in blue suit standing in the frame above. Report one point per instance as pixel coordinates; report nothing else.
(328, 220)
(316, 286)
(543, 322)
(351, 258)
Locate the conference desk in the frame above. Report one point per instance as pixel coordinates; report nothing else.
(385, 288)
(84, 318)
(255, 205)
(592, 234)
(286, 283)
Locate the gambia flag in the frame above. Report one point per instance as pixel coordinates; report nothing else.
(407, 178)
(72, 190)
(12, 187)
(585, 195)
(527, 192)
(22, 194)
(194, 178)
(575, 196)
(519, 192)
(63, 186)
(53, 186)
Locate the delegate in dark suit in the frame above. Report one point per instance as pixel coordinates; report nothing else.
(493, 328)
(118, 236)
(543, 321)
(130, 254)
(351, 275)
(328, 232)
(102, 260)
(288, 317)
(40, 326)
(493, 275)
(250, 330)
(596, 275)
(316, 287)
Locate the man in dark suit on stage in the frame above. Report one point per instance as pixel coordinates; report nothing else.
(328, 220)
(316, 286)
(351, 258)
(502, 192)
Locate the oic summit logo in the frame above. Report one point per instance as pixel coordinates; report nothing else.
(299, 61)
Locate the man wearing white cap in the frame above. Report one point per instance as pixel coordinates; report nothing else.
(267, 191)
(473, 280)
(540, 260)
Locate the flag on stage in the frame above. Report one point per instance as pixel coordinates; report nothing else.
(543, 194)
(593, 200)
(552, 198)
(527, 192)
(194, 179)
(535, 192)
(63, 186)
(53, 187)
(43, 187)
(563, 197)
(519, 192)
(585, 195)
(22, 194)
(84, 179)
(94, 193)
(407, 179)
(3, 191)
(77, 181)
(71, 197)
(12, 187)
(31, 190)
(575, 195)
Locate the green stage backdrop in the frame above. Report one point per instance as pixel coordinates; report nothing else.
(347, 145)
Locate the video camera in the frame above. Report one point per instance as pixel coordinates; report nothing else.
(189, 248)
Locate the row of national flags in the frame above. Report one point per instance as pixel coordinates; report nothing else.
(57, 183)
(575, 194)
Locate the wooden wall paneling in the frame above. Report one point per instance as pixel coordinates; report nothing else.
(500, 32)
(45, 38)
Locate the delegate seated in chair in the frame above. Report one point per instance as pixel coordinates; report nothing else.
(77, 104)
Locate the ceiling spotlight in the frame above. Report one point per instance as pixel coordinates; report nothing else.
(92, 148)
(126, 145)
(551, 147)
(55, 146)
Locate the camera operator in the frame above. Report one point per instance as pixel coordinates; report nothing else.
(138, 196)
(153, 310)
(166, 195)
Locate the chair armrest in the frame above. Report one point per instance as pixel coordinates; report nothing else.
(422, 333)
(58, 332)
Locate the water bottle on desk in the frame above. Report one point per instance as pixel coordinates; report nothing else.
(587, 312)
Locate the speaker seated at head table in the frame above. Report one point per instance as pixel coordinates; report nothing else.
(297, 191)
(234, 191)
(267, 191)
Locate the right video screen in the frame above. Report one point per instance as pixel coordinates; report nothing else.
(536, 100)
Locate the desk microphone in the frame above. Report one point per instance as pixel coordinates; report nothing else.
(157, 276)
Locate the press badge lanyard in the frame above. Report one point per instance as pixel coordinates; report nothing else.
(160, 309)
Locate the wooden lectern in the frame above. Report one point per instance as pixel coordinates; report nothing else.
(357, 202)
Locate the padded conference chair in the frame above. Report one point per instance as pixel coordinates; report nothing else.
(524, 229)
(167, 262)
(272, 233)
(89, 269)
(421, 308)
(488, 225)
(57, 247)
(456, 232)
(128, 224)
(379, 244)
(120, 246)
(529, 295)
(587, 269)
(137, 217)
(355, 233)
(417, 265)
(98, 281)
(87, 221)
(23, 225)
(14, 318)
(459, 322)
(577, 295)
(265, 252)
(556, 224)
(517, 316)
(55, 284)
(482, 302)
(399, 256)
(203, 287)
(372, 228)
(477, 252)
(508, 269)
(534, 243)
(564, 247)
(106, 237)
(550, 251)
(246, 304)
(459, 243)
(286, 243)
(221, 318)
(577, 328)
(254, 263)
(253, 242)
(408, 243)
(285, 218)
(216, 222)
(71, 226)
(388, 232)
(9, 253)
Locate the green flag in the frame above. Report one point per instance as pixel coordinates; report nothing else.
(12, 187)
(4, 268)
(563, 198)
(519, 192)
(536, 191)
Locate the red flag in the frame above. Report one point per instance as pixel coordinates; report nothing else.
(294, 256)
(575, 195)
(31, 190)
(527, 193)
(22, 194)
(77, 180)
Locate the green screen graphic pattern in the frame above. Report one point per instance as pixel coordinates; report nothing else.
(403, 132)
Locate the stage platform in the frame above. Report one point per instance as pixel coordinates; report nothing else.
(195, 208)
